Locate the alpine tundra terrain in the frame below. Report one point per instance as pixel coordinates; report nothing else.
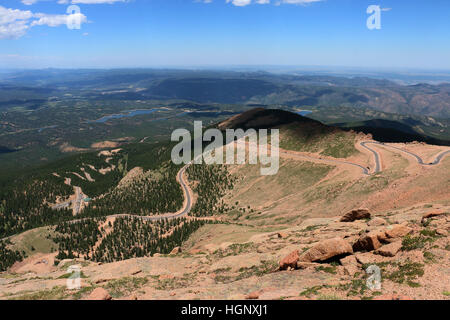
(140, 227)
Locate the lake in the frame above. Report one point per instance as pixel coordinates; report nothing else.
(129, 114)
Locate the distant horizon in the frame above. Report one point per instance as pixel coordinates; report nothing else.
(408, 76)
(218, 67)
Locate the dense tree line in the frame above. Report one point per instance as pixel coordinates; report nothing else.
(26, 196)
(25, 204)
(77, 238)
(136, 238)
(145, 196)
(8, 257)
(129, 238)
(213, 182)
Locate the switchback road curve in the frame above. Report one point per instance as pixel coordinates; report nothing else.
(187, 206)
(420, 161)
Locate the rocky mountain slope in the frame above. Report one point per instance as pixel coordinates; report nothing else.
(309, 232)
(321, 258)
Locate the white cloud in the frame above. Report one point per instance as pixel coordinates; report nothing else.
(240, 3)
(15, 23)
(243, 3)
(29, 2)
(55, 20)
(96, 1)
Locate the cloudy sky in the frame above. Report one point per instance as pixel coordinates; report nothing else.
(151, 33)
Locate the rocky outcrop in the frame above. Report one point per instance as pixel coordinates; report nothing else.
(348, 260)
(389, 250)
(369, 241)
(377, 221)
(218, 270)
(432, 214)
(397, 231)
(367, 258)
(357, 214)
(290, 261)
(373, 240)
(326, 250)
(350, 265)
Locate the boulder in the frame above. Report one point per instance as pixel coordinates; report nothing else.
(367, 258)
(357, 214)
(369, 241)
(326, 250)
(389, 250)
(398, 231)
(349, 260)
(432, 214)
(350, 265)
(290, 261)
(442, 232)
(377, 221)
(253, 295)
(99, 294)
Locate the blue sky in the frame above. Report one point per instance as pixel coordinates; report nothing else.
(152, 33)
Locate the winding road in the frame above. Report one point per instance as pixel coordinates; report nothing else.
(420, 161)
(181, 213)
(376, 155)
(184, 211)
(187, 206)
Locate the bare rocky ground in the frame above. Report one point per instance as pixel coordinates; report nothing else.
(320, 258)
